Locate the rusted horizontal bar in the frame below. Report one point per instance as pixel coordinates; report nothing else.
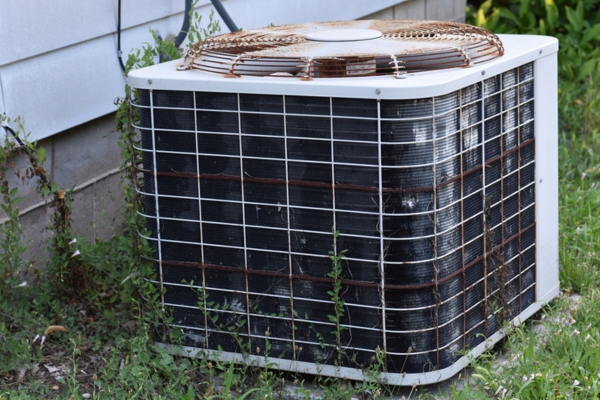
(349, 282)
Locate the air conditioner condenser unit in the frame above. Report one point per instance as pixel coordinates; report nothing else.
(318, 195)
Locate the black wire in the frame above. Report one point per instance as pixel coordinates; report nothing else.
(186, 24)
(119, 53)
(225, 16)
(184, 29)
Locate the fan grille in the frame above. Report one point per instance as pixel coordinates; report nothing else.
(404, 46)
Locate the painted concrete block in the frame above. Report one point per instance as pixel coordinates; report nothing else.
(82, 214)
(36, 236)
(387, 13)
(83, 153)
(108, 207)
(440, 10)
(411, 9)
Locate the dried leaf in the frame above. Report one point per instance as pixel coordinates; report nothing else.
(136, 273)
(51, 368)
(53, 328)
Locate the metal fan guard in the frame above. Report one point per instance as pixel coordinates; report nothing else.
(404, 46)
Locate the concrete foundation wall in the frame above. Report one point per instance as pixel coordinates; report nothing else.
(86, 159)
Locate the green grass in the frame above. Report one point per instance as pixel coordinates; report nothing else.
(579, 189)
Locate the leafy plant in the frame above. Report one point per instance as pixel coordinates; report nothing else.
(196, 31)
(576, 24)
(10, 240)
(339, 306)
(68, 275)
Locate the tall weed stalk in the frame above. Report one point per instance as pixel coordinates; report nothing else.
(10, 231)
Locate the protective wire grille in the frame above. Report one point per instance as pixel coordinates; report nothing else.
(433, 200)
(402, 45)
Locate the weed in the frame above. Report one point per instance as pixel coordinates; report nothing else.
(196, 31)
(10, 241)
(339, 306)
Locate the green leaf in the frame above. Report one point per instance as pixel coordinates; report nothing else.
(575, 17)
(523, 8)
(542, 28)
(41, 156)
(248, 393)
(551, 13)
(586, 69)
(481, 20)
(591, 34)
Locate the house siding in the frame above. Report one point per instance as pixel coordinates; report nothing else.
(446, 10)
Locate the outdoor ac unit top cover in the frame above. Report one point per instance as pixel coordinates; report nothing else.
(516, 50)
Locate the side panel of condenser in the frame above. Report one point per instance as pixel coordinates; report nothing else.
(547, 178)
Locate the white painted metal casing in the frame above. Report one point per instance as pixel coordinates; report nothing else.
(519, 50)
